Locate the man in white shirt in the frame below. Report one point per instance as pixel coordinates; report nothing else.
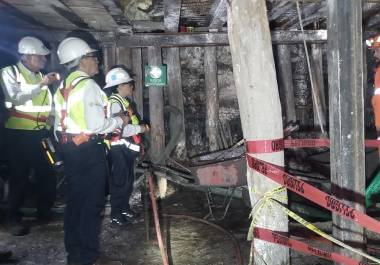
(28, 102)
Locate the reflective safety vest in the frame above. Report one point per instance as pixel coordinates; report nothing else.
(70, 112)
(33, 113)
(135, 140)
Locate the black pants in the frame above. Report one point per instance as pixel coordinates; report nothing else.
(86, 171)
(25, 153)
(122, 178)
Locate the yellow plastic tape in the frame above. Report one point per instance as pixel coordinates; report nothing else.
(315, 229)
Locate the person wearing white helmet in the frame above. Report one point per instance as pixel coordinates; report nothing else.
(29, 104)
(125, 146)
(80, 122)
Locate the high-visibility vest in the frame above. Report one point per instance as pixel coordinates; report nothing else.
(71, 112)
(33, 113)
(125, 105)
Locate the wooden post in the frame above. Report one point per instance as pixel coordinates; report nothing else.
(346, 114)
(285, 82)
(212, 97)
(109, 53)
(137, 71)
(319, 99)
(156, 114)
(156, 108)
(172, 12)
(260, 108)
(176, 99)
(124, 56)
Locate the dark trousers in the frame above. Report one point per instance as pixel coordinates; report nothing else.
(25, 153)
(122, 178)
(86, 171)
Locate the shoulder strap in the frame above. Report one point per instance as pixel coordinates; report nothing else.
(118, 100)
(65, 92)
(16, 72)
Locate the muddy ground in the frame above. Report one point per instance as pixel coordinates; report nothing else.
(189, 242)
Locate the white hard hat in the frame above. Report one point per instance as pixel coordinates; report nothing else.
(72, 48)
(116, 77)
(32, 45)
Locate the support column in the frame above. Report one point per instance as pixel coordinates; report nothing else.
(176, 99)
(285, 82)
(212, 98)
(319, 98)
(346, 114)
(260, 108)
(156, 115)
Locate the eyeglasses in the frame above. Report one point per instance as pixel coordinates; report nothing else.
(90, 56)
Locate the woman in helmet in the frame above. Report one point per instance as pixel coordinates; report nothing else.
(125, 145)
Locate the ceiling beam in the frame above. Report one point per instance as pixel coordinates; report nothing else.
(306, 11)
(93, 13)
(44, 12)
(11, 10)
(116, 11)
(218, 14)
(172, 12)
(208, 39)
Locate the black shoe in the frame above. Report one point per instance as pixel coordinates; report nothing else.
(118, 222)
(18, 229)
(129, 215)
(5, 255)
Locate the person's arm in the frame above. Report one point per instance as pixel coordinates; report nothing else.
(17, 94)
(13, 91)
(94, 111)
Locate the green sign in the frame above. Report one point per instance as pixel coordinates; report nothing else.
(155, 75)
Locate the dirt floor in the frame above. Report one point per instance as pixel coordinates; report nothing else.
(189, 241)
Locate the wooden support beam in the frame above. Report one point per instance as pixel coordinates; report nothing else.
(156, 115)
(306, 11)
(218, 14)
(172, 12)
(285, 82)
(175, 96)
(212, 98)
(93, 13)
(156, 109)
(319, 97)
(138, 72)
(124, 56)
(115, 10)
(346, 115)
(260, 107)
(109, 53)
(216, 39)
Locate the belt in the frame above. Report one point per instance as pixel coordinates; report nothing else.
(129, 145)
(72, 137)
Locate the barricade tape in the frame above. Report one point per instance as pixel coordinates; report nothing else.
(276, 145)
(311, 193)
(280, 239)
(275, 196)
